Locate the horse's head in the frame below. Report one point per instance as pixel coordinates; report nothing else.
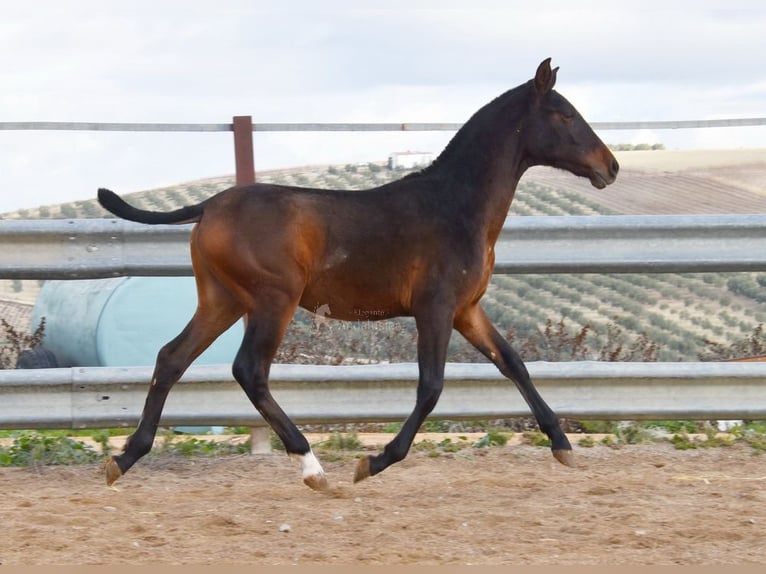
(558, 136)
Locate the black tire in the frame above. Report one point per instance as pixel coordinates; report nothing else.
(37, 358)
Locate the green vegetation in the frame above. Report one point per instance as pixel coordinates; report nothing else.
(39, 448)
(493, 438)
(192, 446)
(46, 447)
(684, 442)
(342, 441)
(33, 449)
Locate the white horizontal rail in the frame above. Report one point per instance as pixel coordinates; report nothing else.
(97, 397)
(92, 248)
(352, 127)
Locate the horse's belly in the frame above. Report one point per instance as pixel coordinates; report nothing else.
(353, 302)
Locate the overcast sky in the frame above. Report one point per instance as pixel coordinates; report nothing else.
(204, 62)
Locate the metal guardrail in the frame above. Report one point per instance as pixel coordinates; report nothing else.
(93, 248)
(99, 397)
(106, 396)
(632, 244)
(352, 127)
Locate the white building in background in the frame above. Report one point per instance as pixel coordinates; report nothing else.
(409, 159)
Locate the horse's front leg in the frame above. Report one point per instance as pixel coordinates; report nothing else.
(434, 330)
(474, 325)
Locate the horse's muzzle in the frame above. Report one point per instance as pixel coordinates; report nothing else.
(604, 169)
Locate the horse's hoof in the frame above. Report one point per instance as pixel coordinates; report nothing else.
(565, 457)
(317, 482)
(362, 469)
(112, 471)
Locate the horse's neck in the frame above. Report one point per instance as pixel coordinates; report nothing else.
(486, 161)
(500, 189)
(486, 182)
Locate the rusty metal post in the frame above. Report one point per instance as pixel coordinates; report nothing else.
(242, 126)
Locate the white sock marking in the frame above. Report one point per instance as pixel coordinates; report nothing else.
(310, 465)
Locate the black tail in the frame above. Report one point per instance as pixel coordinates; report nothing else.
(115, 204)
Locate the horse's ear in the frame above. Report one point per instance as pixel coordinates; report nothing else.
(545, 78)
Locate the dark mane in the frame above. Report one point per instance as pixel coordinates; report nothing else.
(464, 146)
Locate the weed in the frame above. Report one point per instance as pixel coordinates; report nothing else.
(587, 442)
(436, 426)
(16, 342)
(341, 441)
(674, 426)
(752, 434)
(236, 430)
(425, 445)
(196, 447)
(492, 438)
(684, 441)
(751, 346)
(758, 427)
(448, 445)
(275, 442)
(30, 449)
(598, 427)
(755, 441)
(102, 438)
(608, 441)
(536, 438)
(633, 434)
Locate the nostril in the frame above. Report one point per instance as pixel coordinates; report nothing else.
(614, 167)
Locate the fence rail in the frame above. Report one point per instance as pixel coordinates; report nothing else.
(94, 248)
(94, 397)
(98, 397)
(352, 127)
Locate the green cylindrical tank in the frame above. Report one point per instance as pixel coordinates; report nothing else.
(123, 321)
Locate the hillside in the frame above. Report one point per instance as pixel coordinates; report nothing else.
(676, 311)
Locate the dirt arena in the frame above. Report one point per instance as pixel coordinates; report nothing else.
(646, 504)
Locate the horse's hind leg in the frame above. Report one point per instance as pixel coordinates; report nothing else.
(474, 325)
(216, 313)
(265, 328)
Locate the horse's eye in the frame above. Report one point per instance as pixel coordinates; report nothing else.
(565, 117)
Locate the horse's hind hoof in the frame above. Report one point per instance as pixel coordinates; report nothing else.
(565, 457)
(317, 482)
(112, 470)
(362, 469)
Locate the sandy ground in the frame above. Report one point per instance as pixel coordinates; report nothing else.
(644, 504)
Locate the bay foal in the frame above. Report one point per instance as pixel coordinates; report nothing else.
(422, 246)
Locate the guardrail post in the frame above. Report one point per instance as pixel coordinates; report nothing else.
(242, 126)
(260, 440)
